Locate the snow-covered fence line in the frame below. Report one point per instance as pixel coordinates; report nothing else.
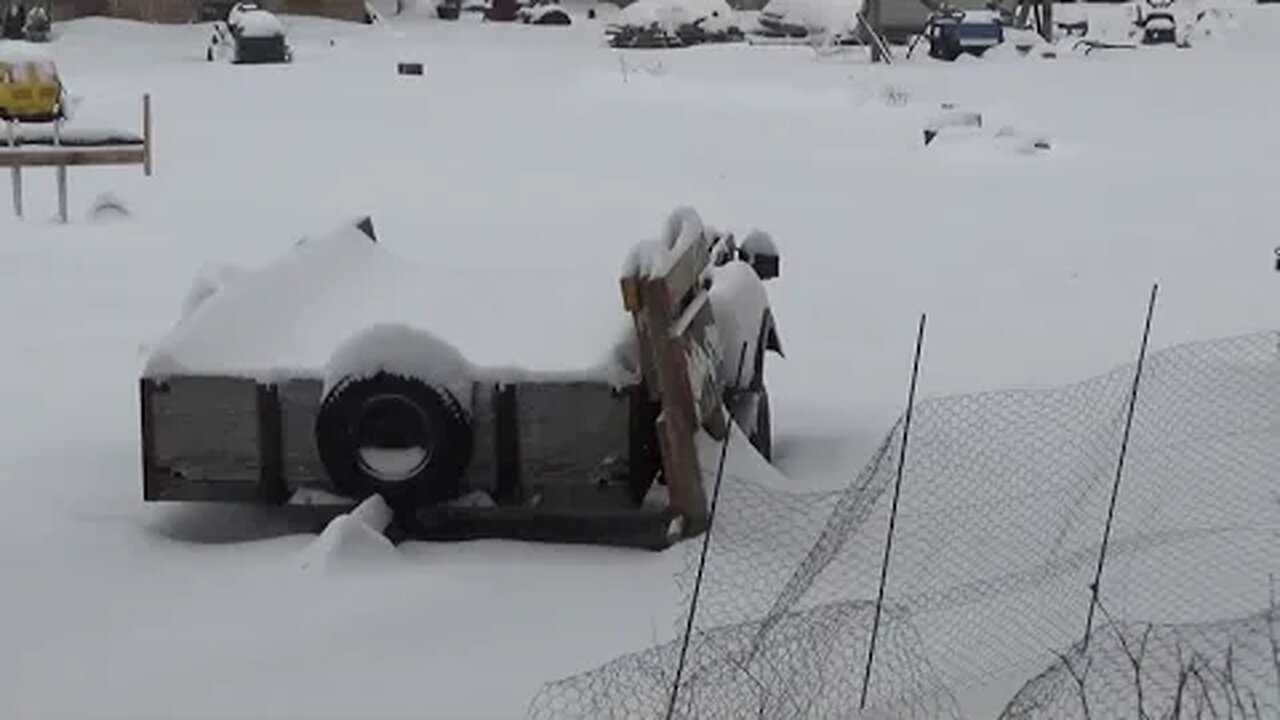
(1001, 518)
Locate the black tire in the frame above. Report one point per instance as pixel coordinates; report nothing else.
(389, 411)
(750, 412)
(762, 434)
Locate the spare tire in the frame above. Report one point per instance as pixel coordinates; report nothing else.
(399, 437)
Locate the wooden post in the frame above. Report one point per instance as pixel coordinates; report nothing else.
(61, 174)
(872, 20)
(15, 176)
(146, 134)
(62, 193)
(678, 424)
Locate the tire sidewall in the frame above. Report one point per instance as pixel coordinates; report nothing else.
(762, 432)
(440, 480)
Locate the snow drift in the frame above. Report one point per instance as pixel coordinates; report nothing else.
(671, 14)
(311, 308)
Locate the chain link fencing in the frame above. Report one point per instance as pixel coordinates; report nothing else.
(1001, 516)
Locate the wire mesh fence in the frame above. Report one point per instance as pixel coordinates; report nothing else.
(1225, 669)
(1003, 503)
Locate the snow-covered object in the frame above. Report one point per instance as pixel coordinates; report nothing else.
(654, 257)
(671, 14)
(405, 351)
(22, 51)
(705, 363)
(739, 302)
(210, 278)
(759, 242)
(254, 22)
(108, 207)
(287, 318)
(353, 540)
(538, 13)
(1022, 142)
(817, 16)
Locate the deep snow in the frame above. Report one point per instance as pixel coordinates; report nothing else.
(516, 174)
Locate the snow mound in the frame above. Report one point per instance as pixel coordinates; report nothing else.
(401, 350)
(738, 302)
(209, 280)
(285, 319)
(288, 316)
(257, 24)
(22, 51)
(353, 540)
(975, 143)
(742, 461)
(670, 14)
(654, 257)
(107, 207)
(1022, 142)
(817, 16)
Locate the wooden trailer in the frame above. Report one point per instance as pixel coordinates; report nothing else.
(559, 459)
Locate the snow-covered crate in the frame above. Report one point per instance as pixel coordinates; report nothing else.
(460, 451)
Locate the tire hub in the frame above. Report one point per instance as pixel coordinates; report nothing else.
(393, 437)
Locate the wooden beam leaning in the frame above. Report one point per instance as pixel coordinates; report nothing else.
(672, 319)
(694, 335)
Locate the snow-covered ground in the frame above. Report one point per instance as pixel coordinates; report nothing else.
(516, 174)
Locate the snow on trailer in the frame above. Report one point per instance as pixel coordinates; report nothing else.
(315, 400)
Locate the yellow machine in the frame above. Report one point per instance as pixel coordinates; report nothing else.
(30, 90)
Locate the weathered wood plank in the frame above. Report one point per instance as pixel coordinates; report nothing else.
(299, 405)
(685, 274)
(205, 428)
(482, 473)
(695, 336)
(679, 416)
(670, 362)
(271, 484)
(575, 443)
(681, 470)
(506, 446)
(71, 157)
(633, 301)
(633, 527)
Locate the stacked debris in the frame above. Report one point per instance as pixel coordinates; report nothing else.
(667, 24)
(784, 22)
(22, 23)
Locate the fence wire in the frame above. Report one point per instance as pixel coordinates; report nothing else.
(1226, 669)
(1001, 517)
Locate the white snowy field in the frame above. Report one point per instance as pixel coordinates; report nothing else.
(516, 173)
